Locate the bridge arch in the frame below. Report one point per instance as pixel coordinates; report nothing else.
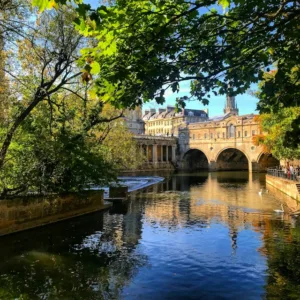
(266, 160)
(232, 159)
(195, 159)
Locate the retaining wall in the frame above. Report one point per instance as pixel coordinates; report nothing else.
(286, 186)
(26, 213)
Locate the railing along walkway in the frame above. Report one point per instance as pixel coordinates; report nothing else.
(284, 174)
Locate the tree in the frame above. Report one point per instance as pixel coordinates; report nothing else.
(280, 121)
(51, 143)
(147, 47)
(281, 134)
(45, 64)
(118, 146)
(53, 151)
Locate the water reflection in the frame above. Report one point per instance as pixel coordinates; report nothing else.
(194, 236)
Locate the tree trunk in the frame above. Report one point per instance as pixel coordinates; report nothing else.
(12, 130)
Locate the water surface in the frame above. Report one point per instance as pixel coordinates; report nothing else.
(194, 236)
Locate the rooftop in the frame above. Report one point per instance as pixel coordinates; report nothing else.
(169, 112)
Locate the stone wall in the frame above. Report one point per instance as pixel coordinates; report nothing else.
(21, 214)
(286, 186)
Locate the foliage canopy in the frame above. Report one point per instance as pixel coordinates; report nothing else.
(146, 47)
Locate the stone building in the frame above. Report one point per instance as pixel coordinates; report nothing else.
(223, 143)
(134, 121)
(166, 121)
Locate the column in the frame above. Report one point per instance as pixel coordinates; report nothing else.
(173, 153)
(155, 154)
(254, 166)
(212, 166)
(150, 153)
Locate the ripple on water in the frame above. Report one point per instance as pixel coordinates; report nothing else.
(204, 236)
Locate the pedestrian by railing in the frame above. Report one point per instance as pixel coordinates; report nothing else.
(295, 176)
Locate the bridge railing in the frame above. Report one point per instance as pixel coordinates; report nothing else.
(284, 174)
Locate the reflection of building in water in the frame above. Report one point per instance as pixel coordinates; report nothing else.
(126, 228)
(210, 201)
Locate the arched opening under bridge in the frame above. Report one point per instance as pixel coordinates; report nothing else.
(267, 160)
(195, 159)
(232, 160)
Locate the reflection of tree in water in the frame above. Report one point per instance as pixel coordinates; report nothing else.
(73, 260)
(283, 250)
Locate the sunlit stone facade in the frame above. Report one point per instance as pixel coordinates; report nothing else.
(166, 121)
(134, 121)
(225, 143)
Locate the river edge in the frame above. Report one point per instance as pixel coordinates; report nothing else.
(28, 213)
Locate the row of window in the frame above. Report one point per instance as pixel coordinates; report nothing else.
(165, 131)
(165, 123)
(218, 135)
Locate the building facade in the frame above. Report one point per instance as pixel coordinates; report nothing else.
(223, 143)
(134, 121)
(166, 121)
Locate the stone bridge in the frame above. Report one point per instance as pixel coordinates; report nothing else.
(186, 153)
(228, 153)
(190, 153)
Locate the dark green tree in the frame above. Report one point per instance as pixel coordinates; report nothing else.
(146, 47)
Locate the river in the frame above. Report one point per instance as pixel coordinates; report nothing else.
(193, 236)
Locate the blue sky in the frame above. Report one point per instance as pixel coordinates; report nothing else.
(246, 103)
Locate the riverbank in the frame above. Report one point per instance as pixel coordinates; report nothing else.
(22, 214)
(30, 212)
(286, 186)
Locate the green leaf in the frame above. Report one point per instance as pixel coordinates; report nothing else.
(41, 4)
(224, 3)
(95, 68)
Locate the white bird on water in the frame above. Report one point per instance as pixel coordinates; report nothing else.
(279, 210)
(260, 192)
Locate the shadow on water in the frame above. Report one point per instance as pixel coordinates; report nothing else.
(82, 258)
(194, 236)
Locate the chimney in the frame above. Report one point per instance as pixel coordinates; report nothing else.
(147, 111)
(161, 110)
(170, 108)
(152, 110)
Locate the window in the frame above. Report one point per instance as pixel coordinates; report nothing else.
(218, 135)
(253, 132)
(246, 133)
(211, 136)
(231, 131)
(193, 136)
(239, 134)
(223, 135)
(205, 135)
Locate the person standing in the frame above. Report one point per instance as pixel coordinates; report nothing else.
(292, 172)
